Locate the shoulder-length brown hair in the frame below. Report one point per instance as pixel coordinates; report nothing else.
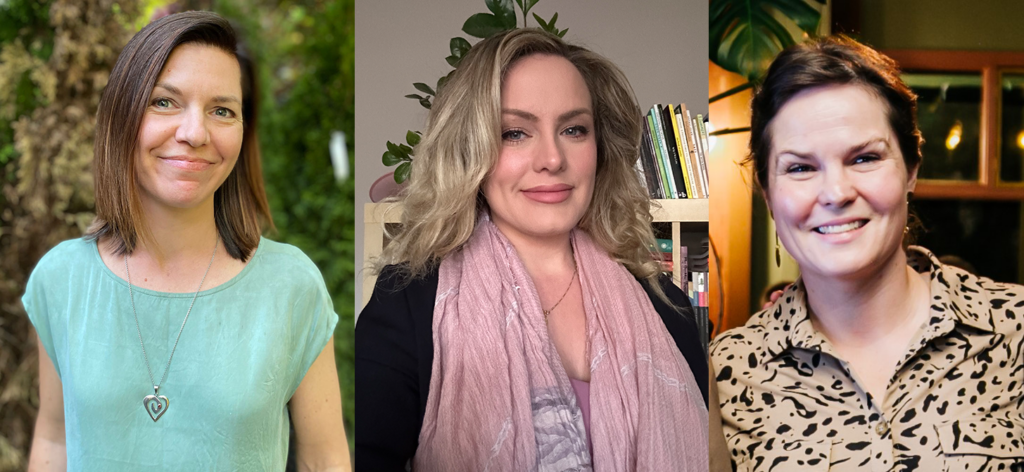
(240, 204)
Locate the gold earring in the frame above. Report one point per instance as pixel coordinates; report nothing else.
(778, 254)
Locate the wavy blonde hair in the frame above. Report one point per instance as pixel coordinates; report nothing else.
(461, 144)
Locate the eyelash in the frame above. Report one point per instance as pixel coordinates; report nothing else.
(231, 113)
(581, 132)
(860, 159)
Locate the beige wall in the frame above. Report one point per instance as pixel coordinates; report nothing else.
(660, 44)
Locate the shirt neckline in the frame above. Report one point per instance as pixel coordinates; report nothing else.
(95, 248)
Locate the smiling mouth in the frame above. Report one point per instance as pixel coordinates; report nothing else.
(843, 228)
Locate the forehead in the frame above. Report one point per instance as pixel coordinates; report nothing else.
(542, 82)
(202, 67)
(829, 117)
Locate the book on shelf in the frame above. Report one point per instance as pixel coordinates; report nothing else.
(659, 140)
(672, 161)
(651, 170)
(702, 139)
(695, 156)
(681, 150)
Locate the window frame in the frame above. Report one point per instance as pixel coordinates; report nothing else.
(991, 65)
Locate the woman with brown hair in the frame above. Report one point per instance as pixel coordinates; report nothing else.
(879, 357)
(172, 335)
(519, 321)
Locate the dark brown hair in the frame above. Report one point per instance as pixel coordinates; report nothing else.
(240, 204)
(836, 60)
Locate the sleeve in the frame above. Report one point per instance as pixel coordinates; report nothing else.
(318, 308)
(389, 383)
(35, 302)
(682, 325)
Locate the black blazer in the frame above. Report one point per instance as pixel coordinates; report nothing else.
(395, 352)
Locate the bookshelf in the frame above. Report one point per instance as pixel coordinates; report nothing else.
(684, 216)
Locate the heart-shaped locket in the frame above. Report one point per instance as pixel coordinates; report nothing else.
(156, 406)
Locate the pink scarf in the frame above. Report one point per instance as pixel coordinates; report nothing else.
(500, 399)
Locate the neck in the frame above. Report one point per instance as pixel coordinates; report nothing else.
(177, 234)
(543, 256)
(860, 310)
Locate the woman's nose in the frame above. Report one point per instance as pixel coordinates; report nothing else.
(837, 188)
(192, 128)
(549, 155)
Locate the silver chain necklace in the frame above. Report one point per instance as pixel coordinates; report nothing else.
(156, 404)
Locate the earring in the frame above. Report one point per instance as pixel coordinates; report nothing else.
(778, 254)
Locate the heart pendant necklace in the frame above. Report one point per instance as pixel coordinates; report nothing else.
(156, 405)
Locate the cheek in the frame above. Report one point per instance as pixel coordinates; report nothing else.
(153, 133)
(228, 142)
(887, 195)
(790, 204)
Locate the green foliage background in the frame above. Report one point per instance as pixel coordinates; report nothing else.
(304, 51)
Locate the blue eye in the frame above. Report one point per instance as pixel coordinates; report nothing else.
(576, 131)
(224, 113)
(162, 103)
(865, 158)
(798, 168)
(513, 135)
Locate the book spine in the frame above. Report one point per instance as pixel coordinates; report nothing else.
(666, 191)
(673, 151)
(707, 149)
(691, 137)
(684, 154)
(652, 180)
(660, 135)
(701, 151)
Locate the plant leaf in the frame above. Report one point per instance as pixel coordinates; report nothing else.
(413, 96)
(390, 159)
(393, 149)
(541, 22)
(425, 103)
(412, 137)
(453, 61)
(405, 149)
(459, 47)
(503, 11)
(529, 5)
(744, 36)
(520, 3)
(422, 87)
(402, 172)
(483, 25)
(561, 34)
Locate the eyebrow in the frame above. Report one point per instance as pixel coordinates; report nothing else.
(217, 99)
(851, 150)
(531, 117)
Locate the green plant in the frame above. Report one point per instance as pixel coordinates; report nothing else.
(502, 17)
(746, 35)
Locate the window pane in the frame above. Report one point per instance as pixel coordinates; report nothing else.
(984, 233)
(949, 116)
(1011, 152)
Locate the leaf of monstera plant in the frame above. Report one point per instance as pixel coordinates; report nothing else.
(745, 35)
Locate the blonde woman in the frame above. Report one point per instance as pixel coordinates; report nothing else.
(518, 321)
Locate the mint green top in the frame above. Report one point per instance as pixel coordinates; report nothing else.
(245, 349)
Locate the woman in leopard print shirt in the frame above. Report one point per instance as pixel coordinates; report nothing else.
(879, 358)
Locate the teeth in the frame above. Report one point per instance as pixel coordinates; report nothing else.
(840, 228)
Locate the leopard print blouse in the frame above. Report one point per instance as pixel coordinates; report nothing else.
(956, 402)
